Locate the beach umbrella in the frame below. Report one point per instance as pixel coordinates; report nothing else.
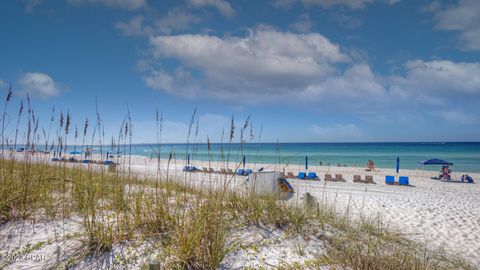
(436, 161)
(75, 153)
(188, 159)
(398, 164)
(244, 162)
(306, 162)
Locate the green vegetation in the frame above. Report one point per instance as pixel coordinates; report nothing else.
(191, 226)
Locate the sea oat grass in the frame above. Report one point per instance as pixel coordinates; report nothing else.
(193, 226)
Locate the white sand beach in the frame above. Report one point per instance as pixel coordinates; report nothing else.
(440, 214)
(436, 213)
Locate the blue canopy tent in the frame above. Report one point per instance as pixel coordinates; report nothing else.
(435, 161)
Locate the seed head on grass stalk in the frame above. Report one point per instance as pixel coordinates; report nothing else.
(7, 99)
(20, 111)
(67, 123)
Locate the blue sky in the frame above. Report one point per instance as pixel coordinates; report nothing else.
(305, 70)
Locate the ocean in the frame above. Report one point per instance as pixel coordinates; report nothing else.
(464, 155)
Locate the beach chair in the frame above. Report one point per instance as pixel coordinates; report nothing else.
(86, 161)
(403, 180)
(222, 170)
(390, 180)
(55, 159)
(302, 175)
(248, 171)
(339, 177)
(186, 168)
(282, 175)
(240, 171)
(328, 177)
(285, 185)
(107, 162)
(312, 176)
(210, 170)
(290, 175)
(357, 179)
(204, 169)
(230, 171)
(369, 179)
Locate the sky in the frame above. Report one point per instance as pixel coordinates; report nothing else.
(299, 70)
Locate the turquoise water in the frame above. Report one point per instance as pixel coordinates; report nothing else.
(465, 156)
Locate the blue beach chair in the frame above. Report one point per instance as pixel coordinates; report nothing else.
(302, 175)
(240, 171)
(55, 159)
(312, 175)
(390, 180)
(189, 169)
(248, 171)
(403, 180)
(86, 161)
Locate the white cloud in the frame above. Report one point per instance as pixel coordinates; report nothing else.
(343, 18)
(180, 83)
(159, 80)
(31, 4)
(285, 4)
(268, 66)
(122, 4)
(303, 25)
(463, 18)
(393, 2)
(352, 4)
(457, 117)
(38, 84)
(222, 6)
(134, 27)
(437, 82)
(338, 132)
(175, 20)
(356, 86)
(262, 63)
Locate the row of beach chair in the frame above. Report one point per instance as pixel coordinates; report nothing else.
(222, 171)
(402, 180)
(328, 177)
(368, 179)
(85, 161)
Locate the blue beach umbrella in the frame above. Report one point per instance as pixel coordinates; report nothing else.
(244, 162)
(398, 164)
(188, 159)
(306, 162)
(75, 153)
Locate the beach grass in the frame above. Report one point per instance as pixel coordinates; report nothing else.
(193, 226)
